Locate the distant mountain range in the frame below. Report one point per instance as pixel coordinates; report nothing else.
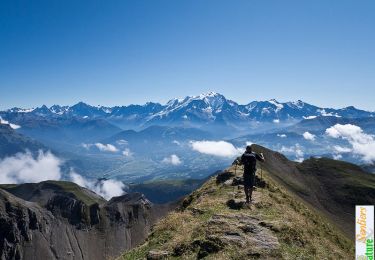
(202, 110)
(136, 142)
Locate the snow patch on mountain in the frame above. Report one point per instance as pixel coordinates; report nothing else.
(323, 112)
(309, 117)
(278, 105)
(5, 122)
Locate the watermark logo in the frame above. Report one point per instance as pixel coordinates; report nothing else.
(364, 232)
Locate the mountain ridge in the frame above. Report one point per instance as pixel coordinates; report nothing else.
(209, 108)
(213, 222)
(61, 220)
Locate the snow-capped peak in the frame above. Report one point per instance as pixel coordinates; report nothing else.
(209, 94)
(21, 110)
(299, 103)
(278, 105)
(213, 99)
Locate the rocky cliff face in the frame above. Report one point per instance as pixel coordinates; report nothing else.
(60, 220)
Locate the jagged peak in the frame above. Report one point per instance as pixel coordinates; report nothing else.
(80, 104)
(210, 94)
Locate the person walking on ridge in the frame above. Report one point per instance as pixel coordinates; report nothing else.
(249, 161)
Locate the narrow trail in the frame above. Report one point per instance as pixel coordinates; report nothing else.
(214, 222)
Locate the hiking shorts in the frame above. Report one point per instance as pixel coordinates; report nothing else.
(249, 180)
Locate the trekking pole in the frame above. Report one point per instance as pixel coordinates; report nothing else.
(235, 174)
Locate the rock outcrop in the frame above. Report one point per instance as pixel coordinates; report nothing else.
(60, 220)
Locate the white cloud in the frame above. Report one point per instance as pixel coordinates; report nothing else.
(173, 159)
(362, 144)
(176, 142)
(110, 188)
(5, 122)
(78, 179)
(86, 146)
(106, 147)
(285, 149)
(299, 159)
(324, 113)
(337, 156)
(309, 117)
(106, 188)
(23, 167)
(276, 121)
(309, 136)
(122, 142)
(294, 150)
(102, 147)
(282, 135)
(217, 148)
(127, 152)
(341, 149)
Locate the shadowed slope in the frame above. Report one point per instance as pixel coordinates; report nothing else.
(61, 220)
(332, 187)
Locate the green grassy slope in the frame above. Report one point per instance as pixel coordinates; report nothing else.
(331, 187)
(213, 223)
(31, 191)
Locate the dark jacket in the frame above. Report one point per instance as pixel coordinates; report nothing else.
(249, 161)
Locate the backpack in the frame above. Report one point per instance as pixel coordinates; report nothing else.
(249, 160)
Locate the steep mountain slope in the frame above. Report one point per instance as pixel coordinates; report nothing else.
(12, 142)
(61, 220)
(300, 211)
(330, 186)
(214, 223)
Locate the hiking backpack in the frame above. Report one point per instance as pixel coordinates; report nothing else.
(249, 160)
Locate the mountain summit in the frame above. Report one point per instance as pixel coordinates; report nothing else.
(202, 110)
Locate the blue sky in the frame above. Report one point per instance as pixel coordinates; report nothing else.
(120, 52)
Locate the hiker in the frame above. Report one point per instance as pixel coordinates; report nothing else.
(249, 161)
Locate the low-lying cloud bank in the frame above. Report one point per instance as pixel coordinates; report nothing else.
(106, 147)
(110, 147)
(102, 147)
(173, 159)
(25, 168)
(107, 188)
(362, 144)
(216, 148)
